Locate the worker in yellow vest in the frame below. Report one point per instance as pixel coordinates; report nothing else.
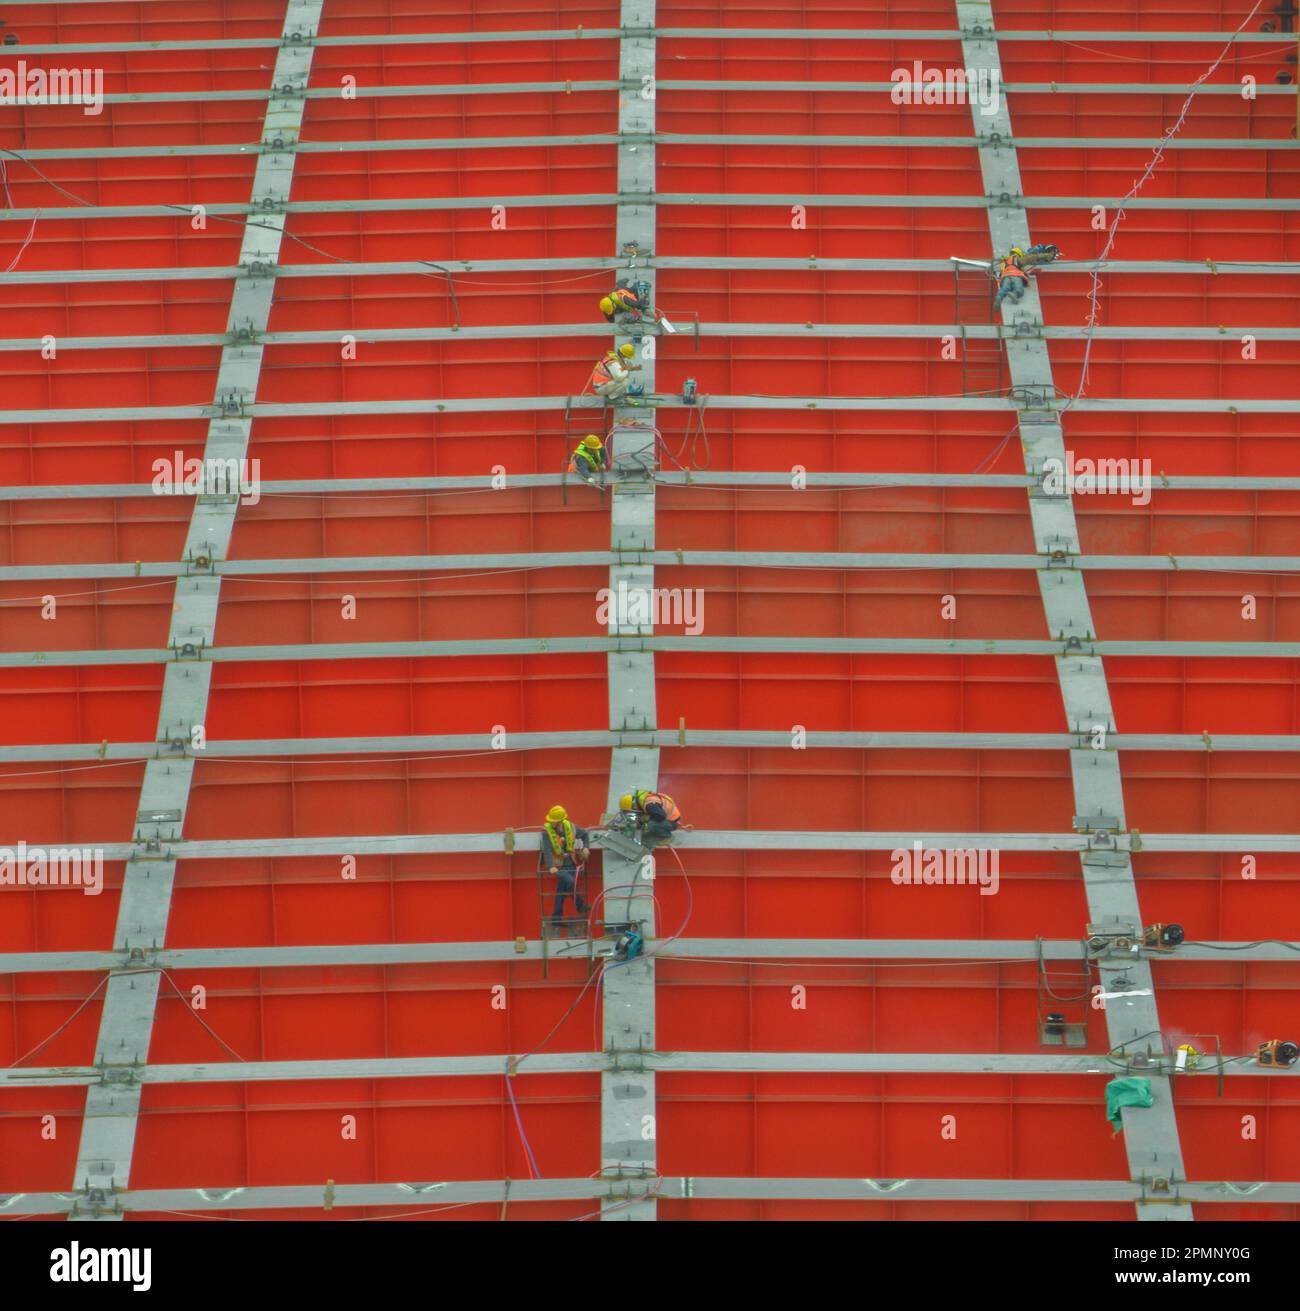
(589, 459)
(564, 850)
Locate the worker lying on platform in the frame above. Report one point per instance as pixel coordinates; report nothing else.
(610, 376)
(1012, 278)
(623, 303)
(589, 459)
(655, 814)
(564, 850)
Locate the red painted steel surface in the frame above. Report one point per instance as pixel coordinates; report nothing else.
(807, 1124)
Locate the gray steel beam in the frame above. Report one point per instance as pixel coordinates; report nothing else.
(670, 84)
(1068, 645)
(743, 739)
(629, 1113)
(325, 487)
(172, 847)
(383, 145)
(245, 409)
(816, 331)
(344, 268)
(1151, 1135)
(638, 553)
(889, 34)
(622, 1064)
(586, 200)
(127, 1018)
(332, 1196)
(734, 951)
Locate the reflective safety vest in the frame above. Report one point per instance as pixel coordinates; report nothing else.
(585, 460)
(601, 373)
(624, 300)
(640, 800)
(561, 837)
(1010, 269)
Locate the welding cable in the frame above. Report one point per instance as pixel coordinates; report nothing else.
(186, 1001)
(1245, 946)
(690, 906)
(76, 769)
(46, 1041)
(516, 1062)
(535, 1173)
(848, 964)
(31, 232)
(636, 892)
(1156, 157)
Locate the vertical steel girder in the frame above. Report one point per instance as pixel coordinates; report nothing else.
(126, 1023)
(1150, 1135)
(627, 1095)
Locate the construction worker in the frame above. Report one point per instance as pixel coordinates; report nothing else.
(610, 376)
(589, 459)
(654, 813)
(622, 302)
(564, 850)
(1012, 278)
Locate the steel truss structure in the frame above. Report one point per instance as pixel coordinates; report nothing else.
(368, 680)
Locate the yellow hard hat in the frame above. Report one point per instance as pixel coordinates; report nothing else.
(606, 305)
(625, 801)
(627, 350)
(1015, 250)
(592, 441)
(556, 815)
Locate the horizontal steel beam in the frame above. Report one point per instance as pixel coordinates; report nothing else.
(393, 844)
(390, 268)
(416, 486)
(924, 646)
(581, 200)
(741, 739)
(523, 561)
(671, 84)
(733, 951)
(580, 1062)
(892, 35)
(432, 1196)
(819, 331)
(580, 404)
(384, 145)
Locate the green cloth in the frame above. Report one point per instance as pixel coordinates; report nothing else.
(1126, 1092)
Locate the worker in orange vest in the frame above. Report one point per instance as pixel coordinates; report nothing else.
(1012, 278)
(610, 376)
(655, 813)
(622, 301)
